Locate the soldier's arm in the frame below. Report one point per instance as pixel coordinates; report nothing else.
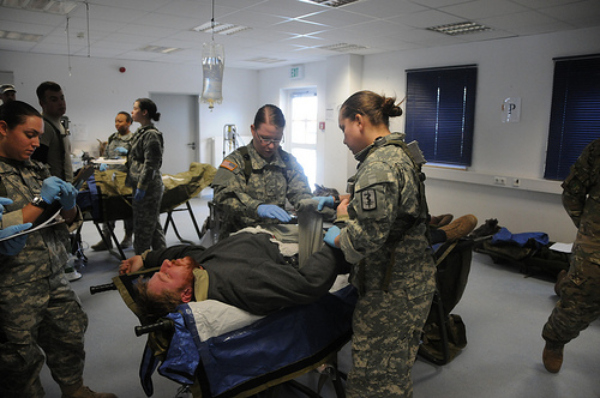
(230, 188)
(153, 153)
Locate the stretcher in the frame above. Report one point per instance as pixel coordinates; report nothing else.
(232, 353)
(105, 198)
(246, 355)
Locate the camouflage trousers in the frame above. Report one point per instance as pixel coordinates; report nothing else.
(579, 303)
(147, 231)
(42, 315)
(387, 332)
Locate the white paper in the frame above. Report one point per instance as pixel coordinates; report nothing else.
(50, 222)
(562, 247)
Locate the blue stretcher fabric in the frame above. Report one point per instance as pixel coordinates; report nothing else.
(282, 343)
(531, 239)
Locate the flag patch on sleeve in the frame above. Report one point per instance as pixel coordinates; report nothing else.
(228, 165)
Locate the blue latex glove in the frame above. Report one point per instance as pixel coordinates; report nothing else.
(103, 167)
(4, 201)
(273, 211)
(121, 151)
(324, 201)
(51, 189)
(331, 234)
(13, 246)
(139, 194)
(68, 196)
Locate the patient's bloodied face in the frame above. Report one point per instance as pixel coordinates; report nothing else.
(174, 275)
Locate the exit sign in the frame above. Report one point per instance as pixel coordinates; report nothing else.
(297, 72)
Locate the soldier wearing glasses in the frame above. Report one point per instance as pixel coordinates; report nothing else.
(253, 182)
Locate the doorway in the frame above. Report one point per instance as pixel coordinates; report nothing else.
(180, 125)
(302, 106)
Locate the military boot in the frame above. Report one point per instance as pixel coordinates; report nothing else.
(101, 246)
(460, 227)
(78, 390)
(553, 356)
(127, 240)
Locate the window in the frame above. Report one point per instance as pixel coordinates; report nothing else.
(575, 113)
(440, 112)
(303, 130)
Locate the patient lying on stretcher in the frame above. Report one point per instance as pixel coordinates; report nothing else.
(246, 270)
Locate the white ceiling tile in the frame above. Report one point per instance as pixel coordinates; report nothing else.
(426, 19)
(336, 18)
(484, 9)
(384, 8)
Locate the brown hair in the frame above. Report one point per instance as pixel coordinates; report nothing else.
(378, 108)
(146, 104)
(16, 112)
(269, 114)
(152, 307)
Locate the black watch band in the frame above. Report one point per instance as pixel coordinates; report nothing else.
(336, 200)
(39, 202)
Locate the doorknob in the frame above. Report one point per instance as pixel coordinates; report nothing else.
(192, 145)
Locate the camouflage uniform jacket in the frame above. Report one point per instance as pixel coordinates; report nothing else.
(581, 200)
(114, 141)
(45, 253)
(270, 182)
(144, 159)
(385, 232)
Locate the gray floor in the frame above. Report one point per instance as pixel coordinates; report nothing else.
(503, 311)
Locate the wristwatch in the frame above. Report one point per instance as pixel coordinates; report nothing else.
(39, 202)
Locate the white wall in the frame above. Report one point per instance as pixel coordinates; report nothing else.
(95, 91)
(519, 67)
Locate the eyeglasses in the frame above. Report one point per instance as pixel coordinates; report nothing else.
(269, 141)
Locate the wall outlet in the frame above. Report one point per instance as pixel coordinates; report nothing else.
(500, 180)
(516, 182)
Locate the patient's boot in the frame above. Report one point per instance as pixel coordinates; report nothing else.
(441, 220)
(553, 356)
(80, 391)
(460, 227)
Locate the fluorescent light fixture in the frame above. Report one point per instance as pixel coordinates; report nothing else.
(160, 50)
(343, 47)
(6, 34)
(52, 6)
(220, 28)
(459, 28)
(265, 60)
(330, 3)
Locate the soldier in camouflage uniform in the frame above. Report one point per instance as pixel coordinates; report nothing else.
(38, 308)
(579, 302)
(253, 182)
(143, 176)
(385, 237)
(119, 144)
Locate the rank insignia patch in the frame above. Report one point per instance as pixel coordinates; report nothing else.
(368, 199)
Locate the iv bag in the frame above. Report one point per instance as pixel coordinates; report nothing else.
(213, 63)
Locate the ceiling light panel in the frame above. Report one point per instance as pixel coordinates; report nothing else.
(331, 3)
(51, 6)
(343, 47)
(459, 28)
(220, 28)
(6, 34)
(159, 49)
